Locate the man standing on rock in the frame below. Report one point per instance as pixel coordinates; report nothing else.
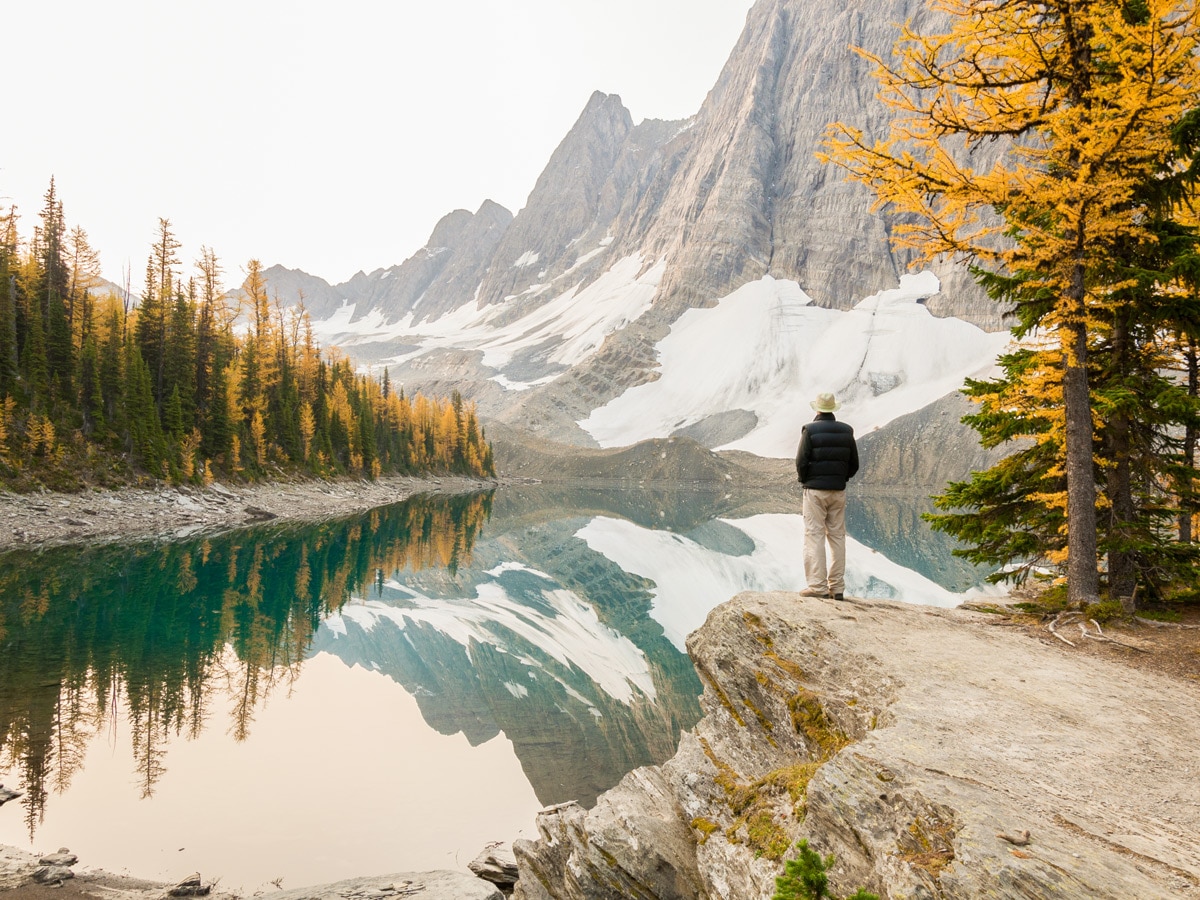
(826, 460)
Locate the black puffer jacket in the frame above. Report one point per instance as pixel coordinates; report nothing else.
(828, 456)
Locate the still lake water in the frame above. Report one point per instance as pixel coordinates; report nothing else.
(385, 692)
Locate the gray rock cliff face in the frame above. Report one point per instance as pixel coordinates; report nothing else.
(934, 754)
(441, 276)
(562, 209)
(749, 196)
(320, 298)
(438, 278)
(731, 195)
(562, 237)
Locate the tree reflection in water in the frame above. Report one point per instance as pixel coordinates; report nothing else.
(166, 629)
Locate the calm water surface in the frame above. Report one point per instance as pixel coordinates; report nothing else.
(386, 692)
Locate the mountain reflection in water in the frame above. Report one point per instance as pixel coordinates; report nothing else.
(543, 626)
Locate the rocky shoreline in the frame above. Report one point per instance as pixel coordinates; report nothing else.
(26, 876)
(102, 516)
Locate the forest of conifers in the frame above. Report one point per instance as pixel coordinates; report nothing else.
(186, 385)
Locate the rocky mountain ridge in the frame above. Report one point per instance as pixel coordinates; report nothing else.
(496, 305)
(730, 195)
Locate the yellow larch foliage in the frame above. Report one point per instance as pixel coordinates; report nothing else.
(235, 453)
(339, 405)
(308, 427)
(258, 437)
(1089, 97)
(189, 453)
(41, 436)
(1082, 96)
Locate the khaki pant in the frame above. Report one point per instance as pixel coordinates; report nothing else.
(825, 521)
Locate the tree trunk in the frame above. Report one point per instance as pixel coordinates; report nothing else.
(1187, 499)
(1122, 572)
(1083, 580)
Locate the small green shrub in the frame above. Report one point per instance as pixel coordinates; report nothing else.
(1105, 610)
(804, 878)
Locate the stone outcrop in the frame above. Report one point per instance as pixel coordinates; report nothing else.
(629, 845)
(496, 863)
(934, 754)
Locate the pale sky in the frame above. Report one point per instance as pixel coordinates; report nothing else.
(327, 136)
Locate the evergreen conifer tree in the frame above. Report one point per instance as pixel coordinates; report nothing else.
(1090, 91)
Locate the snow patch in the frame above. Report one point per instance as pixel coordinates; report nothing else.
(575, 322)
(510, 385)
(767, 349)
(587, 257)
(528, 258)
(581, 321)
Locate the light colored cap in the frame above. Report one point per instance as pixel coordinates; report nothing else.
(825, 403)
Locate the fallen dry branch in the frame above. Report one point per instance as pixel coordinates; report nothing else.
(1054, 631)
(1105, 639)
(1142, 621)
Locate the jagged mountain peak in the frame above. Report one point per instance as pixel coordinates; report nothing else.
(564, 211)
(548, 317)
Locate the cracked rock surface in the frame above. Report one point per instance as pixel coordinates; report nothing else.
(933, 752)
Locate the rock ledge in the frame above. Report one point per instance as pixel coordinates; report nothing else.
(935, 754)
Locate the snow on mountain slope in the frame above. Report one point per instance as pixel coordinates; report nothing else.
(523, 604)
(690, 580)
(766, 349)
(563, 331)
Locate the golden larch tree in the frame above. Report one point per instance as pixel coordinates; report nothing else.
(1084, 94)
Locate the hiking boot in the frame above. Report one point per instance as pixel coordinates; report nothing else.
(813, 592)
(839, 596)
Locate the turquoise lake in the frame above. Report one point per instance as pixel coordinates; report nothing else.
(389, 691)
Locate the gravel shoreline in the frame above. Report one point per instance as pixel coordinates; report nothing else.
(106, 516)
(26, 876)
